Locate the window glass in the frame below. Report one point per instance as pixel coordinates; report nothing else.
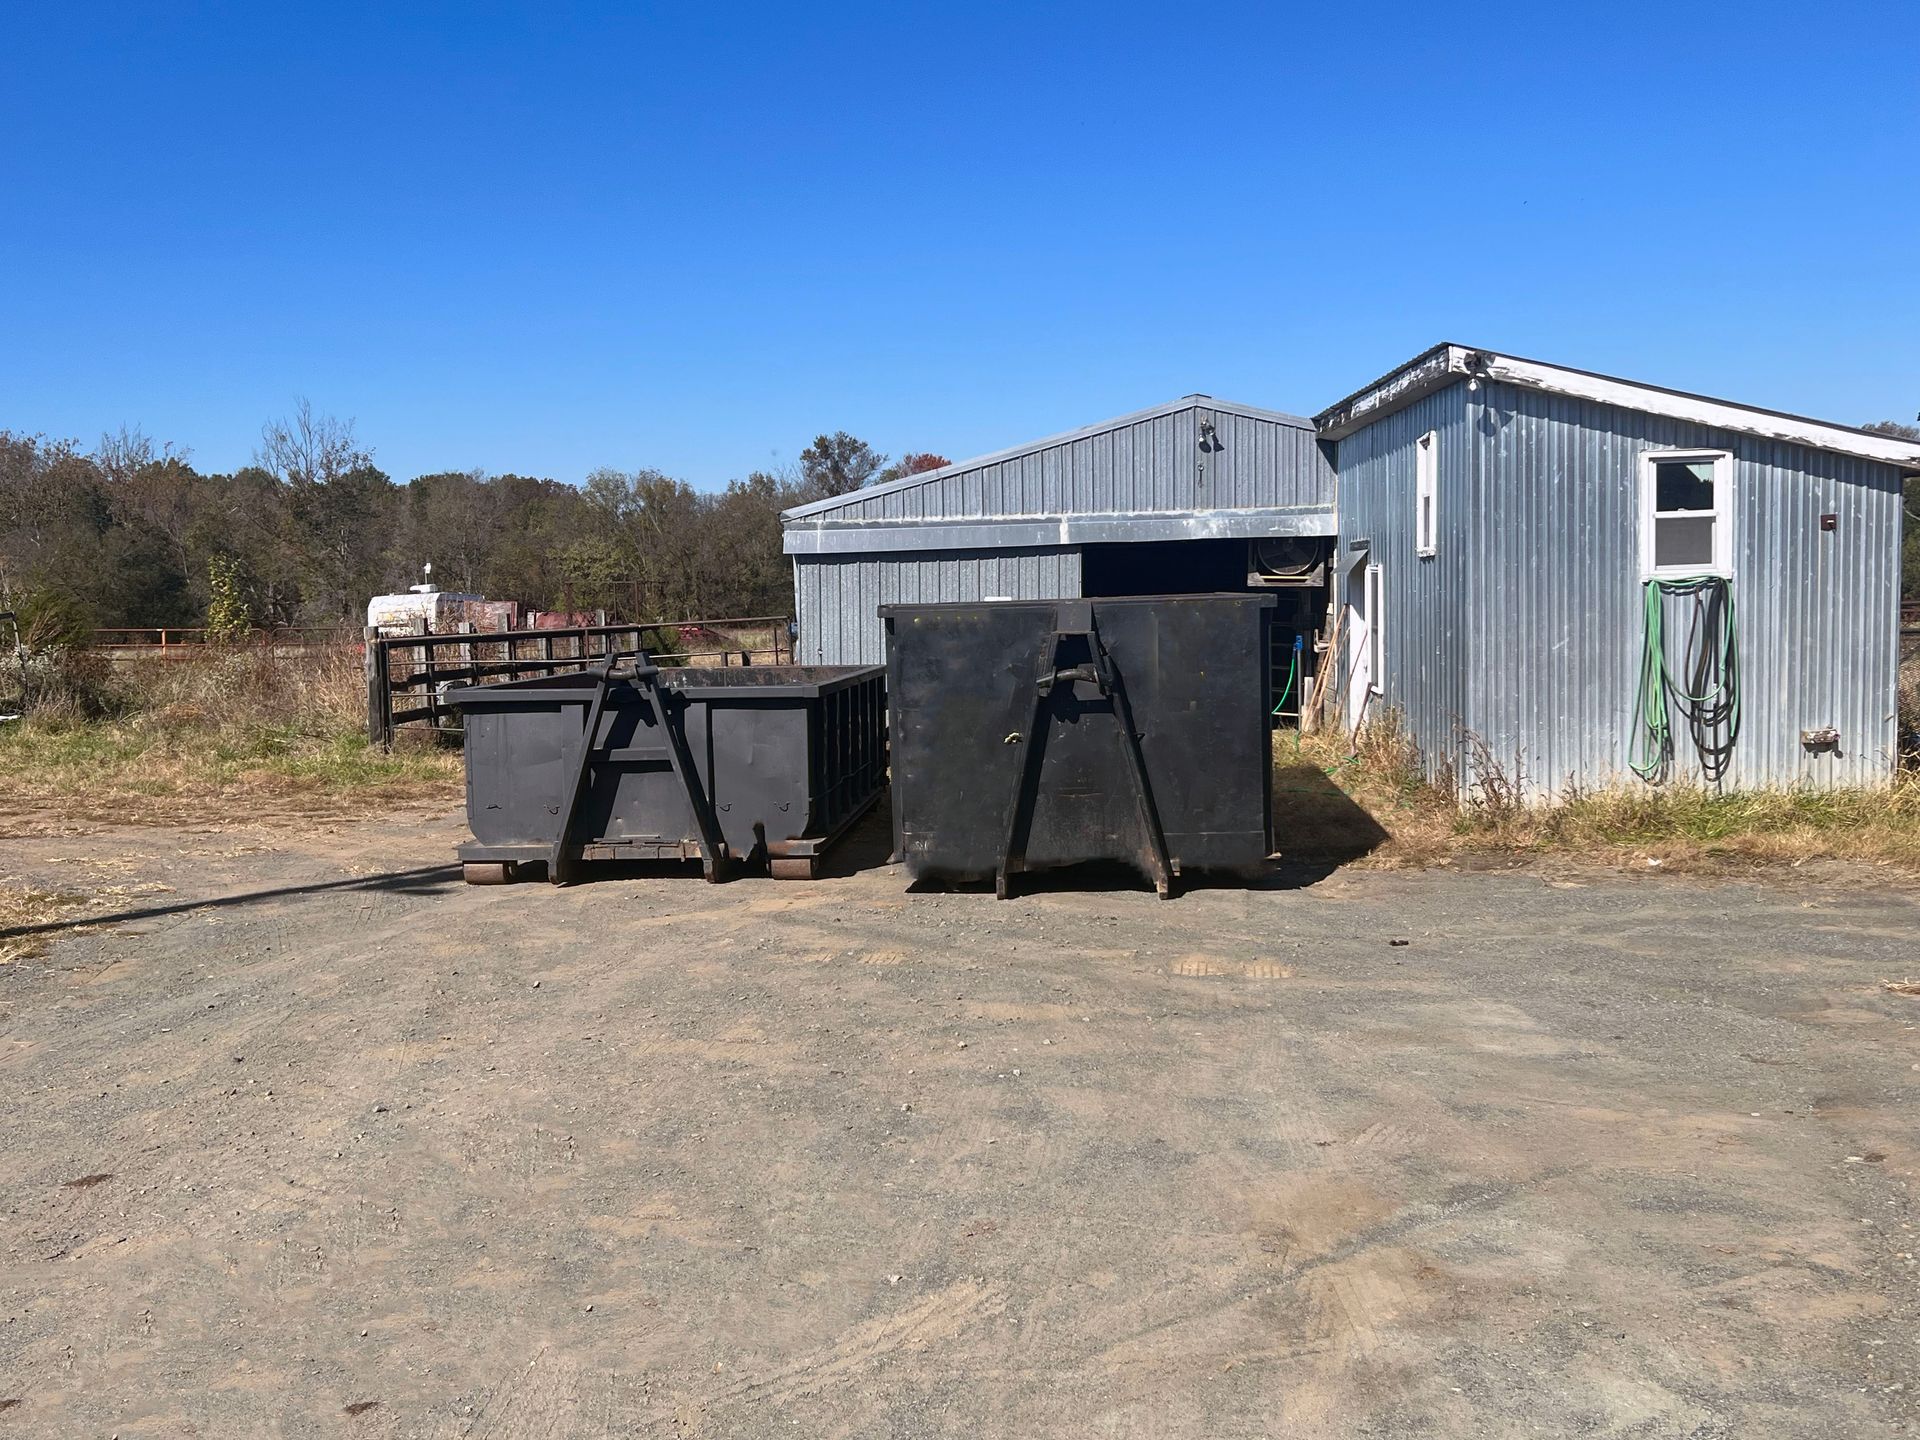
(1686, 519)
(1376, 631)
(1683, 540)
(1683, 485)
(1426, 487)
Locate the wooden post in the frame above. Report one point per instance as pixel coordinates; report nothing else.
(426, 669)
(379, 691)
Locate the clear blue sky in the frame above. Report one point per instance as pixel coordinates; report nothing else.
(546, 238)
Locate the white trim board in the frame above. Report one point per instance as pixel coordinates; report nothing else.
(1445, 364)
(1029, 532)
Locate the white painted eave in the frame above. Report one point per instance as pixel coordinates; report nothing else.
(1447, 364)
(863, 537)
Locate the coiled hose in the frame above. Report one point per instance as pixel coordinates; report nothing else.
(1709, 700)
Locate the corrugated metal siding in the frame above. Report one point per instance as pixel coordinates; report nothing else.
(1150, 465)
(1554, 619)
(1425, 648)
(837, 597)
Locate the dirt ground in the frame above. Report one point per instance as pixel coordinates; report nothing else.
(318, 1141)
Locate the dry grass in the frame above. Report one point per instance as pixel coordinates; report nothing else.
(1902, 987)
(218, 735)
(1907, 705)
(1371, 801)
(321, 690)
(22, 906)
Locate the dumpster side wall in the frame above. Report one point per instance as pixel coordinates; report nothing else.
(837, 597)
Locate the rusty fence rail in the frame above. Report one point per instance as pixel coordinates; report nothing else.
(182, 642)
(408, 675)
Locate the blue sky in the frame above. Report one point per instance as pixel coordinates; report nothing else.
(546, 238)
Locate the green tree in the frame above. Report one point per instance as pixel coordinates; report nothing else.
(837, 464)
(338, 508)
(228, 619)
(742, 548)
(1910, 535)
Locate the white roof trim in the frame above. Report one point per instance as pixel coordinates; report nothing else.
(1067, 437)
(1445, 364)
(1040, 532)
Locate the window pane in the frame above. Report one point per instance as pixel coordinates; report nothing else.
(1683, 485)
(1686, 542)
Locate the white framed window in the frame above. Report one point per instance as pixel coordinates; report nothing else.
(1426, 494)
(1686, 513)
(1376, 606)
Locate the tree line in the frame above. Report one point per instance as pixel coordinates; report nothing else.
(1910, 533)
(130, 533)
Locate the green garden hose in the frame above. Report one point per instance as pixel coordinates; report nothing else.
(1293, 676)
(1708, 701)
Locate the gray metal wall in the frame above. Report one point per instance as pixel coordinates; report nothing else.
(1427, 599)
(837, 597)
(1152, 463)
(1554, 615)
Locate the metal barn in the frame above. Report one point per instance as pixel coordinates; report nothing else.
(1503, 523)
(1166, 500)
(1475, 544)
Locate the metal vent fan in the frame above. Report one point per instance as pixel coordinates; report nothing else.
(1287, 560)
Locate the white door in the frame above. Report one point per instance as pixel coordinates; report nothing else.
(1366, 615)
(1359, 648)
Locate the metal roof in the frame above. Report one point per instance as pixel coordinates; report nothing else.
(1031, 447)
(1447, 363)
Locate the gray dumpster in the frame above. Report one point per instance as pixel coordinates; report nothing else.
(762, 765)
(1029, 734)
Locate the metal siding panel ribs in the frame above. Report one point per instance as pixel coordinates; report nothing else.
(1146, 465)
(838, 597)
(1426, 645)
(1558, 596)
(1142, 465)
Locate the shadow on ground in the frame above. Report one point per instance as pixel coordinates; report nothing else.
(423, 881)
(1317, 823)
(1317, 828)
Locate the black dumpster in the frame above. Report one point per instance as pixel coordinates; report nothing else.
(1029, 734)
(759, 765)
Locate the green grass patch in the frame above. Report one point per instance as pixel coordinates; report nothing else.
(97, 764)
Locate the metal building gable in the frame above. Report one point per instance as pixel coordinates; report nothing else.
(1194, 468)
(1034, 447)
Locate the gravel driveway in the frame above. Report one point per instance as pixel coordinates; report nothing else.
(355, 1150)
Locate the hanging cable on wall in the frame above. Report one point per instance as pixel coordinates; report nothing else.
(1706, 695)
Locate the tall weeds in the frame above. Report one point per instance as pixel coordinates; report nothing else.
(207, 731)
(1485, 812)
(320, 691)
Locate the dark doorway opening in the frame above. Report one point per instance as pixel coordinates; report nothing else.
(1163, 567)
(1201, 567)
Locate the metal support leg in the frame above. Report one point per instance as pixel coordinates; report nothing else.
(1153, 854)
(559, 862)
(713, 849)
(1075, 619)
